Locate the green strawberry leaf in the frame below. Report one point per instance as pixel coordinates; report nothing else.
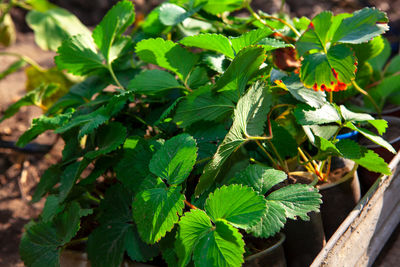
(41, 243)
(69, 176)
(364, 25)
(363, 156)
(35, 97)
(270, 44)
(380, 125)
(48, 180)
(249, 38)
(249, 120)
(371, 136)
(175, 159)
(221, 246)
(135, 159)
(192, 227)
(112, 26)
(116, 234)
(297, 90)
(156, 211)
(153, 82)
(202, 104)
(311, 116)
(53, 26)
(297, 200)
(271, 223)
(243, 67)
(78, 55)
(330, 71)
(316, 36)
(40, 125)
(136, 249)
(168, 55)
(240, 205)
(171, 14)
(219, 6)
(260, 178)
(354, 117)
(109, 137)
(210, 41)
(16, 66)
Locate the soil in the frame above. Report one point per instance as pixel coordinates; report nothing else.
(20, 172)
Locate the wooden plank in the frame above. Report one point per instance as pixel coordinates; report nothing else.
(362, 235)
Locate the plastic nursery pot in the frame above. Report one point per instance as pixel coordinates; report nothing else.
(392, 135)
(74, 258)
(339, 195)
(304, 239)
(273, 256)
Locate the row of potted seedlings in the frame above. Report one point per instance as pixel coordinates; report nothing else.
(220, 137)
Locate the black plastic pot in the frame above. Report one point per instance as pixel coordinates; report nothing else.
(273, 256)
(367, 178)
(304, 239)
(340, 197)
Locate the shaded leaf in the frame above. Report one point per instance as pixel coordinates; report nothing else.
(153, 82)
(109, 138)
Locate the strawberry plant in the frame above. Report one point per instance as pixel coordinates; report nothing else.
(178, 128)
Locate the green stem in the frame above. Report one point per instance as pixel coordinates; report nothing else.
(284, 22)
(276, 166)
(281, 162)
(257, 17)
(93, 198)
(203, 160)
(28, 60)
(359, 89)
(110, 69)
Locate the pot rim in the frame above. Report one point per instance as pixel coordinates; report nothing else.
(282, 238)
(306, 173)
(345, 178)
(396, 139)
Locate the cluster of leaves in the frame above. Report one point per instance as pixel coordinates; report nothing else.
(176, 135)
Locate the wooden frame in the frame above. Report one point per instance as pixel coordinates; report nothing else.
(362, 235)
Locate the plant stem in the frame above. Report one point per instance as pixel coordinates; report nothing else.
(257, 17)
(309, 164)
(110, 69)
(358, 88)
(190, 205)
(330, 97)
(28, 60)
(281, 161)
(284, 22)
(91, 197)
(276, 166)
(202, 160)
